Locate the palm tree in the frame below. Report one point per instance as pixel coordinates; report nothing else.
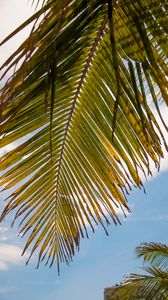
(82, 100)
(154, 283)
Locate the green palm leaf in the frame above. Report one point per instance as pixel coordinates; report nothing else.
(147, 287)
(65, 101)
(154, 253)
(154, 283)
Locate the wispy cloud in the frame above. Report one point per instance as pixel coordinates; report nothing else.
(158, 218)
(3, 238)
(4, 290)
(3, 266)
(10, 9)
(3, 229)
(10, 255)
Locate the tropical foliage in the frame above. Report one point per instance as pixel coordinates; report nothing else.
(153, 285)
(82, 100)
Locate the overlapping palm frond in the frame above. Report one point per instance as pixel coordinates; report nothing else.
(154, 253)
(79, 104)
(153, 284)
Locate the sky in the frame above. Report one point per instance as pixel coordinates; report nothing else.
(102, 260)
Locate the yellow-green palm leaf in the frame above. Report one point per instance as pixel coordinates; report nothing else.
(79, 103)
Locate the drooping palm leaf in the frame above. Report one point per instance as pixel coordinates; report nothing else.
(65, 99)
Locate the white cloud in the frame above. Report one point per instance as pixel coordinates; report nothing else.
(164, 164)
(3, 229)
(10, 8)
(10, 255)
(3, 266)
(10, 20)
(4, 238)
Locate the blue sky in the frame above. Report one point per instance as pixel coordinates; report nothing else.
(102, 261)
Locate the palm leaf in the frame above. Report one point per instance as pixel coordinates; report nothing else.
(62, 103)
(154, 285)
(154, 253)
(151, 285)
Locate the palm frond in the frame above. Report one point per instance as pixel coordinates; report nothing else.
(154, 253)
(62, 103)
(154, 286)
